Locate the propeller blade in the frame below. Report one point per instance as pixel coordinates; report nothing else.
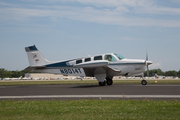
(147, 71)
(146, 55)
(147, 63)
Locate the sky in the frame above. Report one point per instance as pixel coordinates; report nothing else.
(67, 29)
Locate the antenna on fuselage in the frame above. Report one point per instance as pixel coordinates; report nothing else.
(88, 55)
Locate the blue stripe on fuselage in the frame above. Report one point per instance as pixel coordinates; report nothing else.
(90, 63)
(63, 64)
(60, 64)
(126, 63)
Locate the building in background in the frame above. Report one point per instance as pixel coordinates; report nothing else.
(46, 76)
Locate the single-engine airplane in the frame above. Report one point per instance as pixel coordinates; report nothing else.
(103, 67)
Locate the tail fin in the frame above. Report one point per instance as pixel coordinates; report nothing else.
(35, 57)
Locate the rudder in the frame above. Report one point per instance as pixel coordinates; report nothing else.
(35, 57)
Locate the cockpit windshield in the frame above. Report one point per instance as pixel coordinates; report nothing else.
(119, 56)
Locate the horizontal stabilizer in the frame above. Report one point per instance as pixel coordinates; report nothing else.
(33, 68)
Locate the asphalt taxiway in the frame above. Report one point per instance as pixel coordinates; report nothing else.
(68, 92)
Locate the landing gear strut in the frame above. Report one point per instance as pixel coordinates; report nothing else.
(143, 82)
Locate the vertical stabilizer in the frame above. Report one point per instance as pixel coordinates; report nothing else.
(35, 57)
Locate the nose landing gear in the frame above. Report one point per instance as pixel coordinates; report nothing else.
(143, 82)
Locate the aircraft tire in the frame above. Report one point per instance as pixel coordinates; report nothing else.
(109, 81)
(102, 83)
(143, 82)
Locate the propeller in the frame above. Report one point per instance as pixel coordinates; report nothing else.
(147, 63)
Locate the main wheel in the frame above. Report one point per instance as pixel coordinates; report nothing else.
(102, 83)
(109, 82)
(143, 82)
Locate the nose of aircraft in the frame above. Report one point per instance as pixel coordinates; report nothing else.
(149, 62)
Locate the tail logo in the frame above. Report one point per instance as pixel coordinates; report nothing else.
(34, 56)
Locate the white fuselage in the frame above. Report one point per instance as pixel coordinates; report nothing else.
(104, 66)
(127, 67)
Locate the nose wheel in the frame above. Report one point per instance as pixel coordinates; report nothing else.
(143, 82)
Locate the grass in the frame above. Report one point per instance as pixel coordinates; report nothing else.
(76, 82)
(90, 109)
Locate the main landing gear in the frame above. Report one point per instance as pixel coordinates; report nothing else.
(143, 82)
(108, 82)
(102, 83)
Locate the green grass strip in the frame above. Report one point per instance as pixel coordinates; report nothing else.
(77, 82)
(90, 109)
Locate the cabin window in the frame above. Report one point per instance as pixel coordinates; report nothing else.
(87, 59)
(78, 61)
(110, 58)
(98, 58)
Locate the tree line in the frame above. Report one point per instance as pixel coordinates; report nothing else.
(12, 74)
(161, 73)
(16, 74)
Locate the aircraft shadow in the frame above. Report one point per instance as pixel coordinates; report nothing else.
(85, 86)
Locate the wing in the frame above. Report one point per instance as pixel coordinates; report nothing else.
(97, 67)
